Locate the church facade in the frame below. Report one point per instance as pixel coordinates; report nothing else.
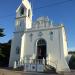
(38, 40)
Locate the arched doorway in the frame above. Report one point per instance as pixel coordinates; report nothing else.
(41, 49)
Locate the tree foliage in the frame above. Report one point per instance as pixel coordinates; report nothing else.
(5, 54)
(1, 32)
(72, 62)
(1, 35)
(71, 52)
(4, 51)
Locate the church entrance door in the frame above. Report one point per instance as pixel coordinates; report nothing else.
(41, 49)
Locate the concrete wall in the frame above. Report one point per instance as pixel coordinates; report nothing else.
(16, 42)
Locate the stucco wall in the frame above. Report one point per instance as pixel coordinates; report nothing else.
(16, 42)
(55, 47)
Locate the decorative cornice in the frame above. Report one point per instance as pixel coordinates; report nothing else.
(35, 30)
(21, 17)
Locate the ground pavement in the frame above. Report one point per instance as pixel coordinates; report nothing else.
(10, 72)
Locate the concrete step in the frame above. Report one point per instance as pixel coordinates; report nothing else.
(49, 69)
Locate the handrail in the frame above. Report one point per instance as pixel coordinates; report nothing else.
(37, 61)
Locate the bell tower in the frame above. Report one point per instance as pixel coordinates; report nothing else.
(23, 22)
(24, 16)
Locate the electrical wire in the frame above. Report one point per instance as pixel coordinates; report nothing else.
(54, 4)
(6, 16)
(50, 5)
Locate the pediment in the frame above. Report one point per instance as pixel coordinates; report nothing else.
(41, 22)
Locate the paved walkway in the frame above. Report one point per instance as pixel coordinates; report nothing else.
(10, 72)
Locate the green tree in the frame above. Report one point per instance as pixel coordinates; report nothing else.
(1, 32)
(72, 62)
(1, 54)
(1, 35)
(4, 51)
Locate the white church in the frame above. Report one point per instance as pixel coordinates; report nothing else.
(40, 40)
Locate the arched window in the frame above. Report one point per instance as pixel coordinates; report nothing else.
(41, 42)
(51, 35)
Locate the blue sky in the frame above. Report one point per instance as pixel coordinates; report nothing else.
(58, 13)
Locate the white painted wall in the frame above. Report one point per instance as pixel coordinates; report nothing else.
(55, 47)
(23, 22)
(16, 42)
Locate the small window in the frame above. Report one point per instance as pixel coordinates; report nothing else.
(29, 13)
(31, 36)
(40, 34)
(17, 50)
(51, 35)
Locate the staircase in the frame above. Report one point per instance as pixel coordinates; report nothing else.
(49, 69)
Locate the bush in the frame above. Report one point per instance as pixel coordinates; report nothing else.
(72, 62)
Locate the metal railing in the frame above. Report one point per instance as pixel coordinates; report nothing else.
(35, 61)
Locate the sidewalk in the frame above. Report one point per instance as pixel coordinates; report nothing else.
(10, 72)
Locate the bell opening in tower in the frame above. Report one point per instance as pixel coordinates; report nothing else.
(22, 11)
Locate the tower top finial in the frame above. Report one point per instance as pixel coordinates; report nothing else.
(25, 0)
(26, 3)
